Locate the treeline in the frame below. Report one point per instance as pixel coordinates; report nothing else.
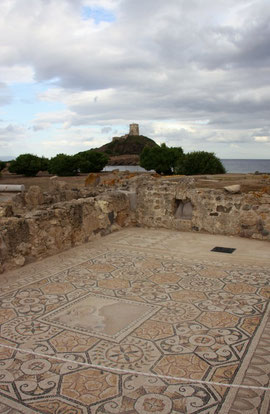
(2, 165)
(162, 159)
(61, 164)
(172, 160)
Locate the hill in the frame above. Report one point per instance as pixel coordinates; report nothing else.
(126, 145)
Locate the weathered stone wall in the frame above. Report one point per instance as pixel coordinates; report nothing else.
(38, 224)
(58, 192)
(51, 229)
(177, 205)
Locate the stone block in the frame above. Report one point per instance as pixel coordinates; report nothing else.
(56, 185)
(121, 218)
(93, 179)
(233, 189)
(19, 260)
(6, 211)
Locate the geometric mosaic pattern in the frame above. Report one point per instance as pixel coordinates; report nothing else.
(77, 330)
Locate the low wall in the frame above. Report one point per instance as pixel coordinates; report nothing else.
(36, 225)
(180, 206)
(51, 229)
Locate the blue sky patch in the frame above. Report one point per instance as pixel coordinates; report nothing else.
(25, 105)
(98, 14)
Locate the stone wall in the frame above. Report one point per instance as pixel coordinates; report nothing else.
(180, 206)
(38, 224)
(47, 230)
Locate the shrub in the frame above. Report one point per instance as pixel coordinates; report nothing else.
(91, 161)
(2, 165)
(63, 165)
(27, 164)
(200, 162)
(162, 159)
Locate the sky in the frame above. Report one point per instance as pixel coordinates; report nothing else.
(192, 73)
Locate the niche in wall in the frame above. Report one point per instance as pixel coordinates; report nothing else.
(183, 209)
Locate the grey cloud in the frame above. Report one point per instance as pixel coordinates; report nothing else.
(37, 128)
(180, 60)
(10, 135)
(106, 130)
(11, 131)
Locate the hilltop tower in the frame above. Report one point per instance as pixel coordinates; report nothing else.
(134, 129)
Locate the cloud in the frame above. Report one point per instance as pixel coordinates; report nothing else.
(72, 140)
(106, 130)
(191, 72)
(262, 139)
(16, 74)
(11, 137)
(5, 96)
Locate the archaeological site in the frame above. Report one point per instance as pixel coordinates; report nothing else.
(135, 293)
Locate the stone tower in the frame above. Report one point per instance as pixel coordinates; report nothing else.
(134, 129)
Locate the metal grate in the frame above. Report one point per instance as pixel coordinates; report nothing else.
(223, 249)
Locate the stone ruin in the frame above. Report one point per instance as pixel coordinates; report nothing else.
(37, 224)
(134, 129)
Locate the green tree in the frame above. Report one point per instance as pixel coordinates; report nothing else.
(162, 159)
(2, 165)
(44, 164)
(91, 161)
(200, 162)
(63, 165)
(27, 164)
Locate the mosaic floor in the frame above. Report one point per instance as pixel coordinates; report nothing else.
(124, 326)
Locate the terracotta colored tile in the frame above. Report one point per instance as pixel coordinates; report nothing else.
(90, 386)
(6, 353)
(55, 405)
(238, 288)
(218, 319)
(57, 288)
(251, 324)
(181, 366)
(113, 283)
(265, 292)
(187, 296)
(224, 375)
(163, 278)
(6, 315)
(213, 272)
(100, 267)
(154, 330)
(72, 342)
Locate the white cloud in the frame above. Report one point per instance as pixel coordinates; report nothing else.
(262, 139)
(16, 74)
(72, 140)
(188, 71)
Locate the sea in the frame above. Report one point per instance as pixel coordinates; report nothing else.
(231, 166)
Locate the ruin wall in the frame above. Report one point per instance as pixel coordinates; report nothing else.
(179, 206)
(48, 230)
(39, 224)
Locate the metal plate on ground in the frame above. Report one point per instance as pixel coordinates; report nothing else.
(223, 249)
